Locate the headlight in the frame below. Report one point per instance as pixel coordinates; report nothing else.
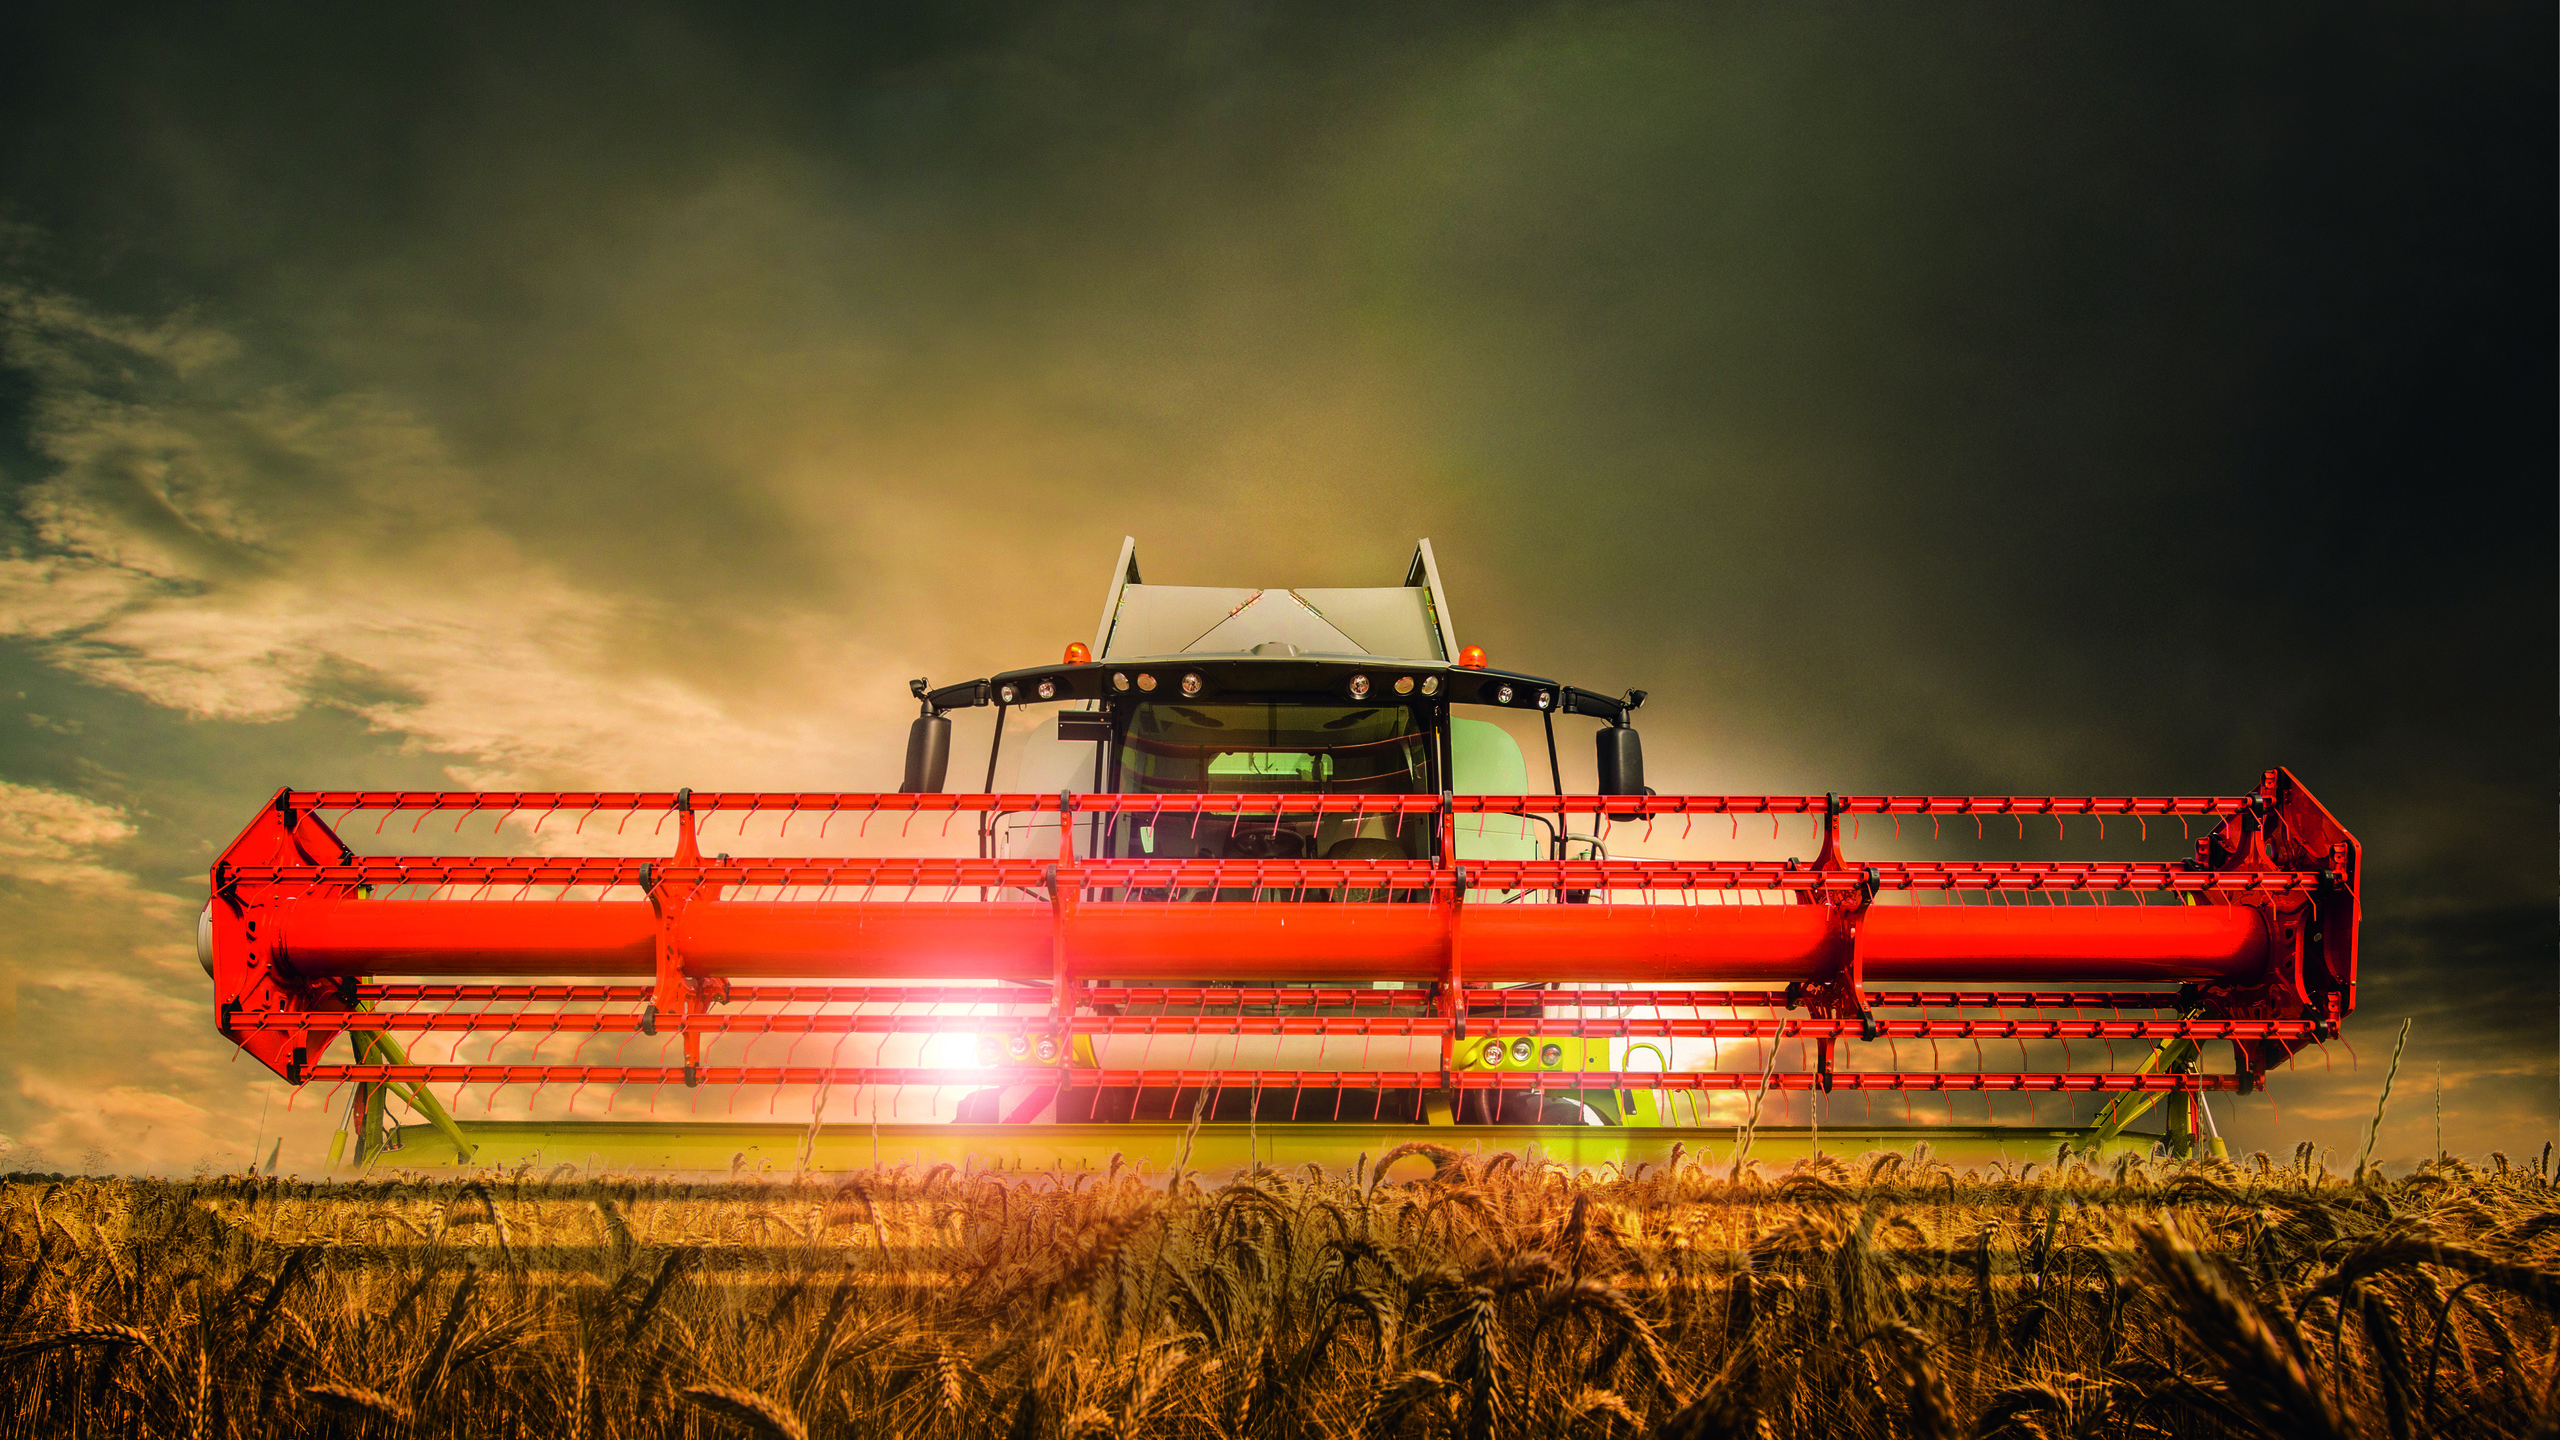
(1191, 683)
(989, 1052)
(1119, 679)
(1520, 1049)
(1492, 1055)
(1430, 684)
(1146, 682)
(1404, 684)
(1048, 689)
(1359, 687)
(1503, 695)
(1005, 693)
(1046, 1050)
(1017, 1046)
(1552, 1056)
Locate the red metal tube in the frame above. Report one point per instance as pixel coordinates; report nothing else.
(1227, 997)
(2150, 943)
(496, 803)
(2103, 1083)
(518, 877)
(1275, 941)
(558, 1022)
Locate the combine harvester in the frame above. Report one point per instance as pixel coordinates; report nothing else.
(1269, 888)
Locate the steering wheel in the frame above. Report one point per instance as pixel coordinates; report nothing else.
(1261, 842)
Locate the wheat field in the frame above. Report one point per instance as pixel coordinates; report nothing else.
(1427, 1294)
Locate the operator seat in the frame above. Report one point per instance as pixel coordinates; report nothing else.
(1363, 847)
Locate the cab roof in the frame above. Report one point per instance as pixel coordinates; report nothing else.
(1300, 645)
(1408, 622)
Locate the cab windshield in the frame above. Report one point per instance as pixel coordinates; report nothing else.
(1233, 748)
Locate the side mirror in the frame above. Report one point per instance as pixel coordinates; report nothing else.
(928, 755)
(1621, 764)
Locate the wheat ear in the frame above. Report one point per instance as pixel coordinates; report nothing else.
(354, 1400)
(766, 1419)
(2267, 1383)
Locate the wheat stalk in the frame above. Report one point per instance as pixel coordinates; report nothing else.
(1089, 1421)
(1610, 1408)
(354, 1400)
(1444, 1274)
(765, 1418)
(2382, 1101)
(1397, 1398)
(1750, 1125)
(2263, 1371)
(111, 1337)
(2013, 1408)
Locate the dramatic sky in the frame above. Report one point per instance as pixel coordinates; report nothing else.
(2074, 399)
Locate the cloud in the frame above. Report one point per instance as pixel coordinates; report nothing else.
(167, 985)
(98, 999)
(237, 552)
(108, 1054)
(54, 595)
(115, 1102)
(53, 839)
(123, 1127)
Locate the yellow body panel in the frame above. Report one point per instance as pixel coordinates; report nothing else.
(594, 1147)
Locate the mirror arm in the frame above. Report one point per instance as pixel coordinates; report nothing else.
(962, 696)
(1614, 709)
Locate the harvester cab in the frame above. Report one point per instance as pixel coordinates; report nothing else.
(1199, 692)
(1271, 860)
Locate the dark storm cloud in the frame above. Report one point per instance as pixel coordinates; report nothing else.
(2103, 401)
